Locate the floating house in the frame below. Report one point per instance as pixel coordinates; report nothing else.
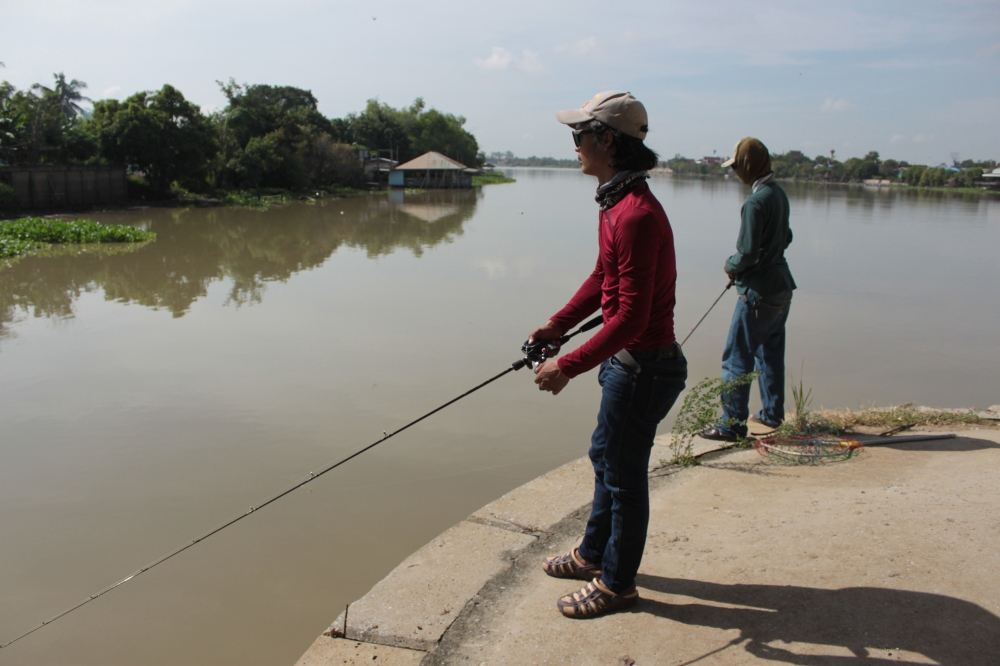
(432, 171)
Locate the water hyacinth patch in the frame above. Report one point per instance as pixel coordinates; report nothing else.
(14, 247)
(26, 234)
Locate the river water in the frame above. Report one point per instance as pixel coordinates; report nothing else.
(149, 394)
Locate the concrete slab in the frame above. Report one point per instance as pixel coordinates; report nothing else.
(415, 604)
(885, 557)
(326, 651)
(538, 505)
(541, 503)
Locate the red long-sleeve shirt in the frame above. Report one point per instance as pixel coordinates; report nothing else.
(633, 283)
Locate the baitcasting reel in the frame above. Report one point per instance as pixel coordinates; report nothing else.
(535, 353)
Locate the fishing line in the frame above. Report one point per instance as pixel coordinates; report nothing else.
(534, 354)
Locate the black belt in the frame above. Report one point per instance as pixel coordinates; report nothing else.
(634, 360)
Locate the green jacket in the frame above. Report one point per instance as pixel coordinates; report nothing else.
(759, 263)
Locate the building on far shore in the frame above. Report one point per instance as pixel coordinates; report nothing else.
(432, 171)
(991, 179)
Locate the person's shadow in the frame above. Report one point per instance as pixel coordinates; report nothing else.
(945, 629)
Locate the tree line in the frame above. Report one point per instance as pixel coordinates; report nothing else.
(796, 165)
(267, 136)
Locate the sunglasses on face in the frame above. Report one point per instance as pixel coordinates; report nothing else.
(578, 134)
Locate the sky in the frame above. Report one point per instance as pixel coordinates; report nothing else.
(913, 80)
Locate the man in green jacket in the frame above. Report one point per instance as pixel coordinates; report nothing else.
(757, 333)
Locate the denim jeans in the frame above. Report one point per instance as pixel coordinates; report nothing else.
(756, 342)
(632, 404)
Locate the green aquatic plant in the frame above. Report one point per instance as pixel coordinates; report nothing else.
(15, 247)
(249, 199)
(30, 234)
(491, 178)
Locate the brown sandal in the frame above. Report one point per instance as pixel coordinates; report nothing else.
(595, 599)
(570, 565)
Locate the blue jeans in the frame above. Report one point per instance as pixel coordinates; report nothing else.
(632, 405)
(756, 342)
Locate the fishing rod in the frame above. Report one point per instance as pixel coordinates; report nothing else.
(535, 353)
(714, 303)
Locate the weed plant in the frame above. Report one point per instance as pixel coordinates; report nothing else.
(900, 415)
(700, 409)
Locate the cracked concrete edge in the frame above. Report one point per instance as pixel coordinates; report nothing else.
(414, 605)
(327, 650)
(511, 512)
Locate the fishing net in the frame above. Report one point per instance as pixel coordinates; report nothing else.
(806, 449)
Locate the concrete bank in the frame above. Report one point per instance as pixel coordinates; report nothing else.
(892, 556)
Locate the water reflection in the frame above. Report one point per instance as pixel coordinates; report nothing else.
(196, 247)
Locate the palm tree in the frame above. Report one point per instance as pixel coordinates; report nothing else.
(66, 95)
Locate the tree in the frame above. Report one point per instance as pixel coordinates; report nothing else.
(444, 133)
(65, 95)
(412, 131)
(158, 133)
(381, 127)
(862, 169)
(44, 125)
(266, 133)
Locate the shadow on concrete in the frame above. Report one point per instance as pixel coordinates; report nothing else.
(945, 629)
(956, 444)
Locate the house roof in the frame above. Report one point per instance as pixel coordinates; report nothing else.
(431, 161)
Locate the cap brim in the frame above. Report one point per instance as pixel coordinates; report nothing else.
(573, 116)
(728, 163)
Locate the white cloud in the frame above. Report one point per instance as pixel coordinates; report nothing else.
(835, 105)
(897, 138)
(111, 91)
(501, 59)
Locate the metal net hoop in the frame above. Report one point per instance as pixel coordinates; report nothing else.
(806, 449)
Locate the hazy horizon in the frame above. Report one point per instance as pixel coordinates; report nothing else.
(915, 81)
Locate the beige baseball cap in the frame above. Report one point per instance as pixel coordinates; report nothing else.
(750, 150)
(614, 108)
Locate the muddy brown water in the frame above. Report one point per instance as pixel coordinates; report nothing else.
(149, 394)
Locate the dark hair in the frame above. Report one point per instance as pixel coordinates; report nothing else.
(631, 154)
(628, 153)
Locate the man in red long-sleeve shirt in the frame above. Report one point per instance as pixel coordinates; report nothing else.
(642, 369)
